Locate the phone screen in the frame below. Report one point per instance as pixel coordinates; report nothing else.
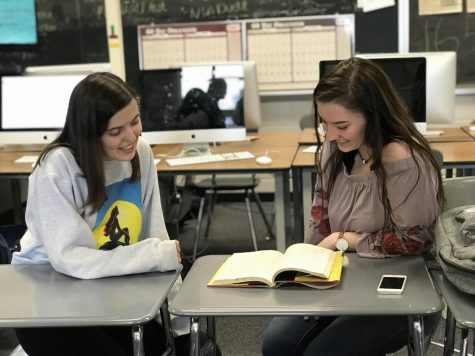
(392, 282)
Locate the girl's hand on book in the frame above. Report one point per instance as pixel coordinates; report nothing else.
(329, 241)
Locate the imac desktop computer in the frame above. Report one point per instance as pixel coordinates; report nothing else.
(33, 108)
(199, 103)
(440, 82)
(408, 75)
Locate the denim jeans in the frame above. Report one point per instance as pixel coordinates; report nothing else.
(342, 335)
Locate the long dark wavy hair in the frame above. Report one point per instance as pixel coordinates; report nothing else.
(93, 102)
(360, 85)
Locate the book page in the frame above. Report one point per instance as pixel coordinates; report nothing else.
(241, 267)
(309, 259)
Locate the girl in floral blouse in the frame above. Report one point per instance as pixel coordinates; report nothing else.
(378, 190)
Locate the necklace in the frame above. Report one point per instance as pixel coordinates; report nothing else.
(364, 160)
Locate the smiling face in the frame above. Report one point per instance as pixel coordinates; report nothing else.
(119, 141)
(345, 127)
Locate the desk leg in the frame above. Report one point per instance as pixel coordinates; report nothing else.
(416, 342)
(449, 333)
(307, 195)
(167, 325)
(297, 204)
(195, 336)
(210, 346)
(464, 342)
(137, 340)
(282, 208)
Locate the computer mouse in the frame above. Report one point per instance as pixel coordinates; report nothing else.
(264, 160)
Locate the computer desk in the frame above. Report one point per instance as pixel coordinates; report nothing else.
(38, 296)
(355, 295)
(457, 155)
(281, 147)
(449, 134)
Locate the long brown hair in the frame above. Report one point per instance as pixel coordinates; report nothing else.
(93, 102)
(362, 86)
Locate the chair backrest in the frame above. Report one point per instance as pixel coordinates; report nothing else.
(307, 121)
(459, 191)
(439, 158)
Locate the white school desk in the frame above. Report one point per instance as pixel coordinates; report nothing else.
(460, 309)
(281, 147)
(38, 296)
(355, 295)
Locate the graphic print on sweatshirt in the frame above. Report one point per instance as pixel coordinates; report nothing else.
(119, 220)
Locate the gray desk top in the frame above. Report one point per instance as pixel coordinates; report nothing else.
(355, 295)
(461, 304)
(36, 295)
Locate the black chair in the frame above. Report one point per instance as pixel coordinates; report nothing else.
(208, 189)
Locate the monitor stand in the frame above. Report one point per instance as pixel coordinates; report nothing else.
(195, 149)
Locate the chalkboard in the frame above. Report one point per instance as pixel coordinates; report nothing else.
(448, 32)
(140, 12)
(69, 32)
(74, 31)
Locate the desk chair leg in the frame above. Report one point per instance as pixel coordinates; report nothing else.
(211, 203)
(415, 344)
(197, 227)
(266, 222)
(449, 333)
(137, 340)
(464, 342)
(251, 221)
(167, 326)
(210, 346)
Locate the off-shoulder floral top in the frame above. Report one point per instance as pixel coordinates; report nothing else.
(355, 205)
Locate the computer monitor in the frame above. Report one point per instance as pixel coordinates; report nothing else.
(33, 108)
(440, 82)
(199, 103)
(408, 75)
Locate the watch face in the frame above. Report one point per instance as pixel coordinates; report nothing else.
(341, 244)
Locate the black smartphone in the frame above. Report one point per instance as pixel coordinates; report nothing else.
(391, 284)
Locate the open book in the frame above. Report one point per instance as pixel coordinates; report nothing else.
(304, 264)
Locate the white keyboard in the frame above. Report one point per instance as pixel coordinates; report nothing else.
(208, 158)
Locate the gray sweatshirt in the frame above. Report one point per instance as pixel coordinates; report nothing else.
(127, 235)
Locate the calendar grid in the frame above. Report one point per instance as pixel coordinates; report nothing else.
(286, 50)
